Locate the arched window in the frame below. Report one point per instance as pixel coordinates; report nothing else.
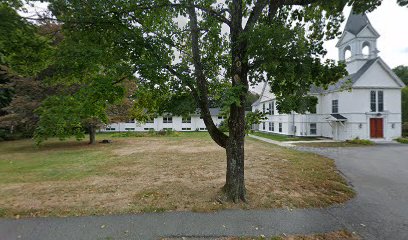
(366, 49)
(347, 53)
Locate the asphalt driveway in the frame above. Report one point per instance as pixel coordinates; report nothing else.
(380, 211)
(379, 174)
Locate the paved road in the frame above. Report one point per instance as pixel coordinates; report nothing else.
(380, 176)
(380, 210)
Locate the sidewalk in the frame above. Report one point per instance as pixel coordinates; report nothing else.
(173, 224)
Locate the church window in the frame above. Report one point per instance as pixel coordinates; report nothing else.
(313, 129)
(335, 106)
(377, 101)
(373, 101)
(272, 108)
(347, 53)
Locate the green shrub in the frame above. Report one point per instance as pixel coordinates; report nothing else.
(405, 129)
(127, 134)
(402, 140)
(360, 141)
(5, 135)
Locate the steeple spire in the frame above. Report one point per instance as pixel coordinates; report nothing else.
(356, 22)
(358, 42)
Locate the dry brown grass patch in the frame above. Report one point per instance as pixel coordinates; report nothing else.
(163, 174)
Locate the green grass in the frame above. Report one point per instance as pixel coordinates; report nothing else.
(282, 138)
(22, 161)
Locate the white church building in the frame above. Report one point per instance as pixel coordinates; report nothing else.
(366, 104)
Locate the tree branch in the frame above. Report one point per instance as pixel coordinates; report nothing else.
(214, 13)
(298, 2)
(219, 137)
(187, 80)
(217, 14)
(255, 14)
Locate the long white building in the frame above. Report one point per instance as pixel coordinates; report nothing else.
(167, 122)
(366, 104)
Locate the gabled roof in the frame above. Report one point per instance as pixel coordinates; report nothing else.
(345, 82)
(391, 73)
(213, 111)
(260, 95)
(350, 80)
(356, 22)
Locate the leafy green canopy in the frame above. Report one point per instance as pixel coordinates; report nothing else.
(24, 53)
(155, 44)
(405, 105)
(402, 72)
(90, 64)
(153, 39)
(67, 115)
(22, 49)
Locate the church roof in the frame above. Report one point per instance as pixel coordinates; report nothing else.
(356, 22)
(345, 82)
(261, 95)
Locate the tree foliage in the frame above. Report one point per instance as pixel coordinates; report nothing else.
(402, 72)
(253, 118)
(72, 114)
(22, 49)
(405, 105)
(19, 114)
(25, 50)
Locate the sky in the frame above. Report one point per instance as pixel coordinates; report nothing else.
(390, 21)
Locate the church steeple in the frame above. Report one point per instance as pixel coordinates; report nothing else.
(356, 22)
(358, 43)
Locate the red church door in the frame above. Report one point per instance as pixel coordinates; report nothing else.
(376, 128)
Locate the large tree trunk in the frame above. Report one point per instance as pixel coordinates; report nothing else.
(92, 134)
(235, 179)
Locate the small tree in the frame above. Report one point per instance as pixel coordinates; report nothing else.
(74, 114)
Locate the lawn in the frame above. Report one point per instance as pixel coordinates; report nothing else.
(145, 173)
(282, 138)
